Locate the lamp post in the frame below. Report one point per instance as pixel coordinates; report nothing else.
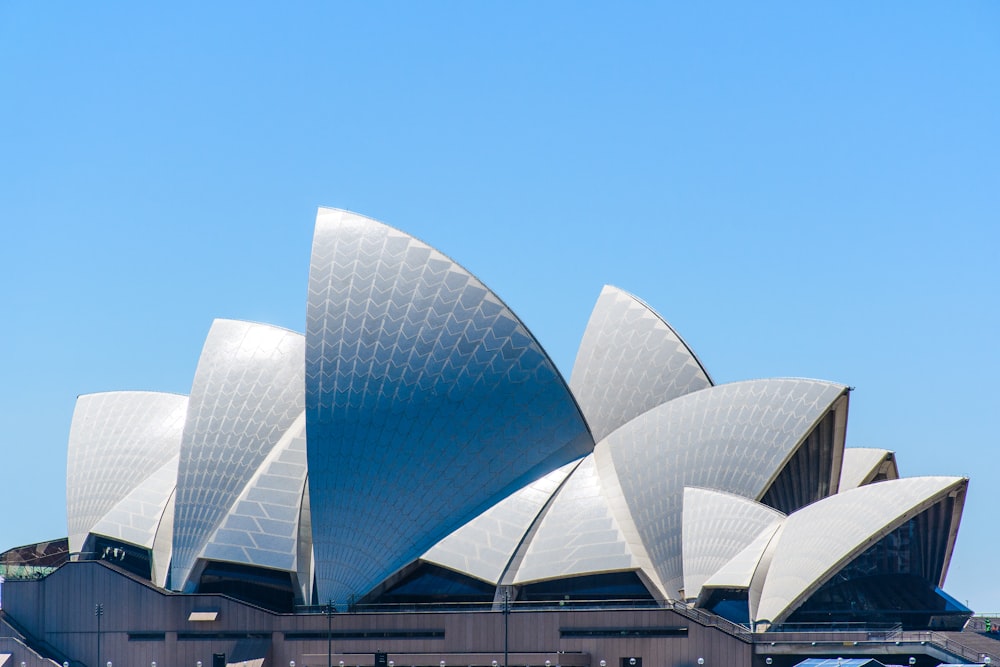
(506, 625)
(98, 612)
(329, 634)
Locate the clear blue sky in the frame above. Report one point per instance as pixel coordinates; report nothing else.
(802, 189)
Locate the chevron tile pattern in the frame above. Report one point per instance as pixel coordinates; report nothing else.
(630, 360)
(732, 437)
(716, 527)
(483, 548)
(117, 442)
(578, 533)
(248, 391)
(427, 401)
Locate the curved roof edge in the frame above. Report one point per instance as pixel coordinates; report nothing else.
(717, 526)
(499, 299)
(683, 342)
(741, 570)
(730, 437)
(838, 407)
(408, 351)
(117, 439)
(247, 393)
(629, 361)
(819, 540)
(578, 534)
(483, 548)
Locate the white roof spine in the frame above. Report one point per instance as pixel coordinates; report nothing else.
(483, 547)
(733, 437)
(716, 527)
(247, 393)
(820, 539)
(417, 375)
(117, 440)
(629, 361)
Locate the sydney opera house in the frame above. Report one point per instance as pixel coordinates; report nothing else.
(412, 482)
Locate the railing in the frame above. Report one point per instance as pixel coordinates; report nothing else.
(36, 645)
(941, 641)
(977, 623)
(699, 616)
(703, 617)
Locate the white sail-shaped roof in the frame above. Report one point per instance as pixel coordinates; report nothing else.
(863, 464)
(423, 382)
(578, 534)
(119, 443)
(629, 361)
(145, 517)
(248, 392)
(740, 570)
(734, 437)
(261, 526)
(820, 539)
(716, 527)
(484, 547)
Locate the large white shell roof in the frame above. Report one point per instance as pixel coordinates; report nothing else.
(423, 382)
(733, 437)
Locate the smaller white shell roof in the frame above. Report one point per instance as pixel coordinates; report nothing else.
(732, 437)
(819, 539)
(629, 361)
(716, 527)
(738, 572)
(578, 533)
(262, 527)
(117, 441)
(136, 518)
(483, 547)
(861, 464)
